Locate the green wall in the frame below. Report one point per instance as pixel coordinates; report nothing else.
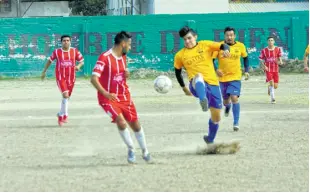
(26, 43)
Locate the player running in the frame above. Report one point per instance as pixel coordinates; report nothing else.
(66, 58)
(270, 58)
(306, 60)
(196, 59)
(109, 78)
(230, 73)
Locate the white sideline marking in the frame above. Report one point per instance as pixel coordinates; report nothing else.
(154, 114)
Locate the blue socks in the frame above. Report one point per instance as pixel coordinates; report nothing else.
(213, 127)
(236, 113)
(200, 90)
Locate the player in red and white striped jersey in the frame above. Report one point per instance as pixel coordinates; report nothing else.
(270, 58)
(66, 58)
(109, 78)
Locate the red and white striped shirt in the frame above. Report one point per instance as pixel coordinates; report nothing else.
(271, 58)
(112, 77)
(65, 63)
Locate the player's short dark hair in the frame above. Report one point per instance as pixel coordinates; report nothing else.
(270, 37)
(229, 29)
(185, 30)
(121, 36)
(65, 36)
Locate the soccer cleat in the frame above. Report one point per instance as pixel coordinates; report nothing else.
(273, 101)
(131, 156)
(65, 119)
(206, 139)
(146, 157)
(227, 110)
(60, 120)
(236, 127)
(204, 104)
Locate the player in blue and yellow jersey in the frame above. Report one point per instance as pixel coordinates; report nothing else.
(196, 59)
(229, 72)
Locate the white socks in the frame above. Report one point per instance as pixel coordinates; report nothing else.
(64, 107)
(141, 140)
(271, 89)
(125, 134)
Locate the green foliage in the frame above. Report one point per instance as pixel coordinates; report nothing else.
(88, 7)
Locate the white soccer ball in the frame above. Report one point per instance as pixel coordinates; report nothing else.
(162, 84)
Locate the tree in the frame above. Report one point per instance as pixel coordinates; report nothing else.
(88, 7)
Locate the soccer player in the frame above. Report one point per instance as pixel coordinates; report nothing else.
(306, 60)
(66, 58)
(270, 58)
(230, 73)
(196, 59)
(109, 78)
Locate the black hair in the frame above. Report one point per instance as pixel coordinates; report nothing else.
(121, 36)
(65, 36)
(229, 29)
(270, 37)
(185, 30)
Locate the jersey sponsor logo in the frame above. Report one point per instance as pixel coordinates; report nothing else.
(66, 63)
(119, 78)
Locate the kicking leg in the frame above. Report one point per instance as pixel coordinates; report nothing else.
(199, 86)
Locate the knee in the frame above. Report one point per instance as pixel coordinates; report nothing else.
(216, 118)
(135, 126)
(234, 99)
(121, 123)
(275, 86)
(65, 95)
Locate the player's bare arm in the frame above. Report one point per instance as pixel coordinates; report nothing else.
(95, 82)
(263, 65)
(47, 65)
(306, 58)
(79, 66)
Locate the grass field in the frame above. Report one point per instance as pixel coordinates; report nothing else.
(87, 154)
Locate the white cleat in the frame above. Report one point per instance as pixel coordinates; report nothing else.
(273, 101)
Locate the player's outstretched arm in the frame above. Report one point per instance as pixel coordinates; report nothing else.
(47, 65)
(95, 82)
(178, 74)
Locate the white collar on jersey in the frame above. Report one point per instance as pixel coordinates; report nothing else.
(65, 50)
(118, 58)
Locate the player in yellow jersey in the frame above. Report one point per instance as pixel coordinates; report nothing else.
(306, 60)
(229, 72)
(196, 59)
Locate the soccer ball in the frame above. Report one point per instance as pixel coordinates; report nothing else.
(162, 84)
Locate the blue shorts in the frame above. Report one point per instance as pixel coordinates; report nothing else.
(230, 88)
(213, 94)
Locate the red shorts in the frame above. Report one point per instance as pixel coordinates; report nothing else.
(65, 86)
(114, 109)
(272, 76)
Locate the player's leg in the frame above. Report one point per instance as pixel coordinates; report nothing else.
(198, 85)
(66, 99)
(117, 117)
(234, 90)
(275, 85)
(62, 85)
(215, 103)
(131, 116)
(226, 97)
